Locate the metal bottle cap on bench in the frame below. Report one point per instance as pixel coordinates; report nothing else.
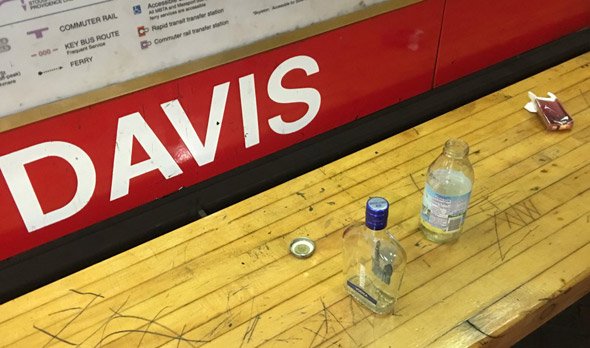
(302, 247)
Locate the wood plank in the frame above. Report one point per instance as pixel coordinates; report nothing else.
(461, 304)
(535, 302)
(427, 268)
(558, 189)
(463, 335)
(412, 214)
(228, 279)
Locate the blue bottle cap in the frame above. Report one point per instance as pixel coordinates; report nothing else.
(376, 213)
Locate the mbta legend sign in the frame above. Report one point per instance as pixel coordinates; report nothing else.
(76, 46)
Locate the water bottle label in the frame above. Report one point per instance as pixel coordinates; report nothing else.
(443, 213)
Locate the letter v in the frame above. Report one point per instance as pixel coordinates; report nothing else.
(203, 153)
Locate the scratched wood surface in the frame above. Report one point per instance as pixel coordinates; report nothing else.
(228, 279)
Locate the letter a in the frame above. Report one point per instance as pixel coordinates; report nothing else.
(202, 153)
(131, 126)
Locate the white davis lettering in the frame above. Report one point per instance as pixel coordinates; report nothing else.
(134, 127)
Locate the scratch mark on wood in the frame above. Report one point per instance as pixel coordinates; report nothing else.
(518, 216)
(126, 316)
(95, 296)
(504, 216)
(55, 336)
(530, 212)
(492, 203)
(250, 330)
(336, 343)
(480, 331)
(325, 314)
(103, 326)
(300, 194)
(240, 289)
(173, 334)
(518, 219)
(315, 334)
(149, 327)
(520, 241)
(585, 98)
(65, 310)
(340, 323)
(181, 336)
(86, 293)
(497, 236)
(288, 340)
(149, 324)
(221, 323)
(415, 184)
(427, 264)
(154, 333)
(533, 207)
(301, 310)
(227, 312)
(509, 224)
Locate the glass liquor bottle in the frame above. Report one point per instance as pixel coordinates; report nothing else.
(446, 194)
(374, 262)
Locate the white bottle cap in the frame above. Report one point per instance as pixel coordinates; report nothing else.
(302, 247)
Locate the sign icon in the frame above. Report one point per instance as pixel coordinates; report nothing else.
(22, 3)
(4, 46)
(145, 44)
(4, 1)
(37, 32)
(142, 30)
(136, 9)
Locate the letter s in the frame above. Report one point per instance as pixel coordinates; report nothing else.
(280, 94)
(13, 167)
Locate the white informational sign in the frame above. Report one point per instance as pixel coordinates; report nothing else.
(53, 49)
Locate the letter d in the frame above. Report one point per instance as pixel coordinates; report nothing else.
(13, 167)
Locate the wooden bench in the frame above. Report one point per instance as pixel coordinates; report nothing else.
(228, 280)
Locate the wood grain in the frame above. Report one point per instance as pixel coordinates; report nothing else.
(229, 280)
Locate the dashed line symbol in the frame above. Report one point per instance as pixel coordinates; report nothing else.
(43, 52)
(50, 70)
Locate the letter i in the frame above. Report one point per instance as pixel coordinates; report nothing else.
(249, 110)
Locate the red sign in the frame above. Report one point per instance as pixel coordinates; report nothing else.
(70, 171)
(477, 34)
